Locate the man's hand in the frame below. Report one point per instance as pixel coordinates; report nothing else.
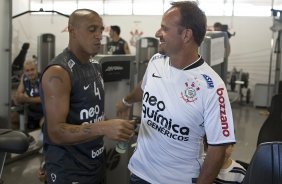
(21, 98)
(122, 110)
(24, 99)
(118, 129)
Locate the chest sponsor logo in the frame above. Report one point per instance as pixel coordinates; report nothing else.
(93, 113)
(153, 110)
(190, 92)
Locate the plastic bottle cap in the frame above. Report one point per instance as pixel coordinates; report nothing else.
(121, 147)
(119, 150)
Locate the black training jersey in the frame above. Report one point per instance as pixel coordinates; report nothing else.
(117, 47)
(86, 106)
(31, 89)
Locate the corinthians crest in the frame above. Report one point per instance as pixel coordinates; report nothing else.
(190, 93)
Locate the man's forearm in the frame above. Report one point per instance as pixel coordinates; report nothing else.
(135, 95)
(33, 100)
(212, 164)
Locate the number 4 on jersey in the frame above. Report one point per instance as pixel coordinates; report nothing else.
(97, 91)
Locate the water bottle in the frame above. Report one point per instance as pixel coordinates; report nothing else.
(122, 146)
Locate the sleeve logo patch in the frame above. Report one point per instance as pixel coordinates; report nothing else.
(209, 81)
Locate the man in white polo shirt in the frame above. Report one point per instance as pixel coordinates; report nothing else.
(183, 99)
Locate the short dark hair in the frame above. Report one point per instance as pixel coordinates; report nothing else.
(192, 17)
(217, 24)
(116, 29)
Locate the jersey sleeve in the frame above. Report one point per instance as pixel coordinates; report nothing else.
(144, 81)
(218, 119)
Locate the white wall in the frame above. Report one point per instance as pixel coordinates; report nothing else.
(250, 47)
(27, 28)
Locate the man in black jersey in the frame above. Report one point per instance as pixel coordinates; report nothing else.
(117, 45)
(72, 94)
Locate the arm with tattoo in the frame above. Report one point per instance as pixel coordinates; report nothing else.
(56, 85)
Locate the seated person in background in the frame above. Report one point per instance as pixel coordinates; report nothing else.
(117, 45)
(219, 27)
(231, 171)
(28, 93)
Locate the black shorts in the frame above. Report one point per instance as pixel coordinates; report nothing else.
(68, 170)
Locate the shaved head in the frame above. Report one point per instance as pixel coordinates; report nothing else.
(80, 15)
(85, 33)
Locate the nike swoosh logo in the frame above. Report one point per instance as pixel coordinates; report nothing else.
(154, 75)
(86, 87)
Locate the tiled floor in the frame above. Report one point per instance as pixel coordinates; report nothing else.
(247, 120)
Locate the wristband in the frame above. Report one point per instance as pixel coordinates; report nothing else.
(126, 103)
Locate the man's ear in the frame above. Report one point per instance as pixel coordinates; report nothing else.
(71, 30)
(188, 35)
